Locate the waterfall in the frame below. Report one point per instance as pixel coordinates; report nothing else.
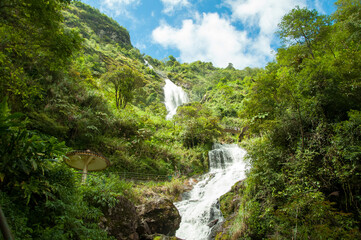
(148, 65)
(200, 207)
(174, 96)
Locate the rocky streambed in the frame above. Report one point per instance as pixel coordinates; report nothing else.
(154, 216)
(157, 217)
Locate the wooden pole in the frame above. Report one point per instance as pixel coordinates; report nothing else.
(85, 170)
(85, 173)
(5, 227)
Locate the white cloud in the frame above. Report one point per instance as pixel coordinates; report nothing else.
(119, 7)
(265, 14)
(212, 38)
(171, 5)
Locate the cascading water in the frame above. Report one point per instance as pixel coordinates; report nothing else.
(148, 65)
(200, 207)
(174, 96)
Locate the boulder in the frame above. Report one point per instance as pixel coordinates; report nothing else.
(126, 221)
(212, 223)
(121, 221)
(215, 229)
(158, 216)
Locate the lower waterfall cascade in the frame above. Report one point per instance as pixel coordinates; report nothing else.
(200, 207)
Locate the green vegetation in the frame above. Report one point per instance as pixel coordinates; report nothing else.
(70, 79)
(124, 81)
(303, 112)
(62, 87)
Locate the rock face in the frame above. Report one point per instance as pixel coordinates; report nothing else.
(125, 221)
(122, 220)
(229, 205)
(159, 216)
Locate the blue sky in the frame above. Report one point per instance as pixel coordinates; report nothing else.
(241, 32)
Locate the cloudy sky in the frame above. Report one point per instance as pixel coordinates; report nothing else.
(241, 32)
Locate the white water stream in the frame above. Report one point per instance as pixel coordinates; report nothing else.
(200, 206)
(174, 97)
(148, 65)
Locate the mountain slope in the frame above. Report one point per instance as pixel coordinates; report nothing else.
(63, 72)
(90, 21)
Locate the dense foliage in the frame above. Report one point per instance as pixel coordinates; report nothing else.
(70, 79)
(303, 112)
(62, 84)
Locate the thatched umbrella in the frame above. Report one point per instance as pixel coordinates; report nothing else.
(87, 161)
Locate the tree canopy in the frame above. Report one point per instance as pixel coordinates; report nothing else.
(125, 80)
(33, 44)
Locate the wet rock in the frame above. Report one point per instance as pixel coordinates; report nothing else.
(122, 220)
(189, 184)
(125, 221)
(212, 223)
(163, 237)
(215, 229)
(158, 216)
(229, 205)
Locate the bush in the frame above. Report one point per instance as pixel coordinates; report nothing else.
(38, 191)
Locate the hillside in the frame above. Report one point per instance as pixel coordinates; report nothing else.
(62, 98)
(91, 22)
(71, 80)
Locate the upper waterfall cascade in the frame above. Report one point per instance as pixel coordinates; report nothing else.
(200, 206)
(148, 65)
(174, 97)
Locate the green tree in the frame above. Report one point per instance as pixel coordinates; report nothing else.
(38, 192)
(34, 48)
(125, 80)
(172, 61)
(230, 66)
(199, 126)
(302, 26)
(348, 13)
(305, 111)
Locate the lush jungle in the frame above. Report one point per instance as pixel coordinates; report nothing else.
(70, 79)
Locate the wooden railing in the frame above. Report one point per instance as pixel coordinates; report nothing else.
(139, 176)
